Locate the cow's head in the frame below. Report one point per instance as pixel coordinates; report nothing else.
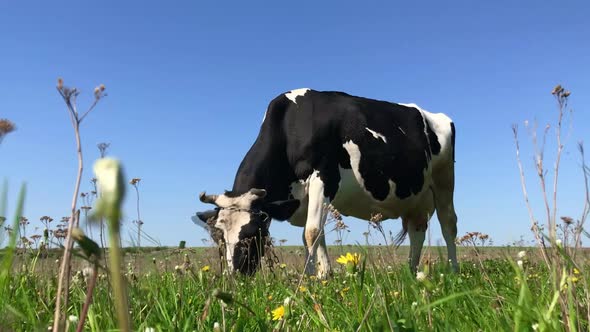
(240, 222)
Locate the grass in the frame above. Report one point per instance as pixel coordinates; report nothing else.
(162, 289)
(170, 290)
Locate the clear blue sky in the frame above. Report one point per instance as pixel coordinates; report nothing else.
(189, 83)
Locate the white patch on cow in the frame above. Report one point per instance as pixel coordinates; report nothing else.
(231, 223)
(412, 105)
(299, 190)
(355, 160)
(353, 199)
(441, 125)
(243, 201)
(377, 135)
(293, 94)
(314, 227)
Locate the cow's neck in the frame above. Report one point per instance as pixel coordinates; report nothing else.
(265, 166)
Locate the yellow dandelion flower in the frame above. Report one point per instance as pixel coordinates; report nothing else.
(349, 258)
(324, 282)
(302, 289)
(269, 297)
(344, 291)
(278, 313)
(576, 271)
(206, 268)
(283, 265)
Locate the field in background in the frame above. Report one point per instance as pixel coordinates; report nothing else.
(173, 290)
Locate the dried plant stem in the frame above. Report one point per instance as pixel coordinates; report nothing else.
(88, 300)
(534, 225)
(586, 209)
(65, 262)
(553, 221)
(69, 96)
(139, 222)
(119, 287)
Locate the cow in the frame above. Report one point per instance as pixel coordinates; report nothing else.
(363, 156)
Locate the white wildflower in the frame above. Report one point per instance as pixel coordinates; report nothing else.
(420, 276)
(149, 329)
(414, 304)
(109, 175)
(216, 327)
(87, 272)
(558, 243)
(535, 327)
(520, 263)
(287, 301)
(73, 319)
(521, 254)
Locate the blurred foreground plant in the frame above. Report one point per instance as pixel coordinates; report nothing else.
(109, 175)
(8, 255)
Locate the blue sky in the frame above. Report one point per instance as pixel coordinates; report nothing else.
(188, 85)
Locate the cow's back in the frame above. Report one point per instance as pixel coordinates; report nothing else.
(375, 153)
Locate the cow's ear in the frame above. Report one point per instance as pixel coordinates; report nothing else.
(202, 218)
(282, 210)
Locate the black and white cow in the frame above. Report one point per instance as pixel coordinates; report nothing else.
(363, 156)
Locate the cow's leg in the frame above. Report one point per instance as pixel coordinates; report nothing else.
(417, 232)
(444, 184)
(309, 260)
(314, 227)
(445, 210)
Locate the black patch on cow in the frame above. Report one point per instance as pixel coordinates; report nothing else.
(232, 194)
(434, 143)
(297, 139)
(281, 210)
(250, 247)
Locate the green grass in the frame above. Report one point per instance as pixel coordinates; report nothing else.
(382, 295)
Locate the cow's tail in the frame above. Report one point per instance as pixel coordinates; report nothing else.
(400, 237)
(453, 139)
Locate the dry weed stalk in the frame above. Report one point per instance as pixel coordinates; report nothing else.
(6, 127)
(135, 183)
(559, 258)
(69, 96)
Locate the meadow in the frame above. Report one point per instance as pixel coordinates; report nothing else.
(65, 280)
(185, 290)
